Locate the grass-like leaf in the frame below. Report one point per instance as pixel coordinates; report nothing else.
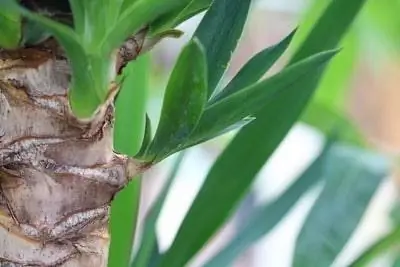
(351, 180)
(130, 108)
(266, 217)
(328, 30)
(184, 102)
(248, 101)
(219, 33)
(254, 69)
(148, 243)
(235, 169)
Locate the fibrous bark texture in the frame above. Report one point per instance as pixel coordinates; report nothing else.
(58, 174)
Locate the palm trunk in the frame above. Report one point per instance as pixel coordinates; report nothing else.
(58, 174)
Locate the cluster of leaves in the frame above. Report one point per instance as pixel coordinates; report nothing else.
(196, 109)
(100, 27)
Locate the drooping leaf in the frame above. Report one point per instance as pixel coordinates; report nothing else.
(219, 33)
(385, 244)
(267, 216)
(254, 69)
(352, 178)
(148, 243)
(248, 101)
(184, 101)
(128, 135)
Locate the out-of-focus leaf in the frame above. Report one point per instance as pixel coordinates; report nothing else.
(174, 18)
(329, 105)
(149, 243)
(352, 178)
(385, 244)
(328, 30)
(254, 69)
(130, 108)
(235, 169)
(248, 101)
(219, 33)
(326, 119)
(184, 102)
(10, 29)
(266, 217)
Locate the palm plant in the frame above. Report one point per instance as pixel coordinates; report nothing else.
(67, 71)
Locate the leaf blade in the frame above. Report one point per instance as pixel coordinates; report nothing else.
(219, 32)
(267, 216)
(184, 101)
(254, 69)
(351, 181)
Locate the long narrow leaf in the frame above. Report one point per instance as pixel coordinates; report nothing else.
(353, 177)
(254, 69)
(249, 101)
(328, 31)
(129, 126)
(219, 32)
(184, 101)
(149, 243)
(233, 172)
(266, 217)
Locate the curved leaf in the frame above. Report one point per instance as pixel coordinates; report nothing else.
(184, 101)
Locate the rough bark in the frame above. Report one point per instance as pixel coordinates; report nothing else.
(58, 174)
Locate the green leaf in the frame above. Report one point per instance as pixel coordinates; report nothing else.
(184, 101)
(219, 33)
(130, 108)
(88, 89)
(146, 139)
(254, 69)
(137, 15)
(266, 217)
(326, 119)
(387, 243)
(328, 30)
(233, 172)
(352, 178)
(250, 100)
(174, 18)
(149, 243)
(10, 30)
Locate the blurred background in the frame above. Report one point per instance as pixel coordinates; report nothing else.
(360, 89)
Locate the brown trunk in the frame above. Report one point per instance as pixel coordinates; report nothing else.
(58, 175)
